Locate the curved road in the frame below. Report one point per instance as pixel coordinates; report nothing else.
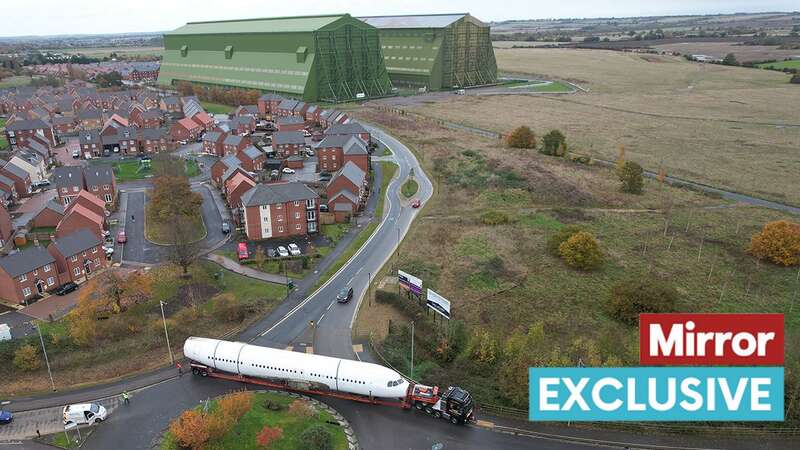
(139, 424)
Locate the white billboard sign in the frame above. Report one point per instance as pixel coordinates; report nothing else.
(438, 303)
(409, 282)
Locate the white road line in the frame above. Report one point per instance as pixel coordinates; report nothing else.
(329, 306)
(321, 317)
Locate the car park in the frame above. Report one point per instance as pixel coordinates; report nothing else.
(66, 288)
(287, 170)
(294, 249)
(122, 237)
(5, 417)
(226, 228)
(282, 252)
(241, 251)
(344, 295)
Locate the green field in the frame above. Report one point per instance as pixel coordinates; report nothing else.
(243, 435)
(216, 108)
(15, 81)
(3, 140)
(132, 169)
(409, 188)
(780, 65)
(106, 51)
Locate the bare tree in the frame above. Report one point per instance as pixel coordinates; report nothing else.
(183, 253)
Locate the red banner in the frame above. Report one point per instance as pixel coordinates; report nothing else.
(711, 339)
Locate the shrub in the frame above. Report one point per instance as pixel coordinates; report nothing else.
(485, 348)
(228, 308)
(521, 137)
(268, 435)
(582, 251)
(300, 408)
(554, 143)
(494, 218)
(641, 295)
(778, 242)
(316, 437)
(190, 429)
(632, 177)
(217, 425)
(27, 359)
(554, 241)
(795, 79)
(236, 405)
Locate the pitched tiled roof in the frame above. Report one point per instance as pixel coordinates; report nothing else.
(290, 120)
(76, 242)
(334, 140)
(27, 124)
(25, 261)
(346, 128)
(288, 137)
(269, 194)
(252, 152)
(233, 140)
(16, 170)
(98, 175)
(352, 172)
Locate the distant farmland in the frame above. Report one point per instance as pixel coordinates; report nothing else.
(780, 65)
(105, 51)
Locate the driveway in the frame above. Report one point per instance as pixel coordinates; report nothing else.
(64, 154)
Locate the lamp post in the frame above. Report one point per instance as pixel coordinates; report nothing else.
(412, 350)
(46, 360)
(166, 334)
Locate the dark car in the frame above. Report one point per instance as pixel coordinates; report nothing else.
(6, 417)
(226, 228)
(66, 288)
(344, 295)
(272, 253)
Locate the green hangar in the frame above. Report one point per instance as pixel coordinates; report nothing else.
(330, 58)
(439, 51)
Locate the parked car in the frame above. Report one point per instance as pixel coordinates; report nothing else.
(306, 133)
(226, 228)
(309, 152)
(242, 252)
(183, 142)
(76, 154)
(323, 208)
(5, 417)
(109, 249)
(416, 203)
(344, 295)
(271, 252)
(84, 413)
(282, 251)
(287, 170)
(40, 183)
(294, 249)
(122, 237)
(66, 288)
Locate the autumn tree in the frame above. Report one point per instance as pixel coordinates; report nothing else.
(521, 137)
(185, 88)
(267, 436)
(554, 143)
(632, 178)
(172, 196)
(582, 251)
(27, 358)
(639, 295)
(259, 258)
(779, 242)
(559, 237)
(190, 429)
(234, 406)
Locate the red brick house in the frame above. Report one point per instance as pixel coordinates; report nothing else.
(233, 144)
(349, 178)
(48, 217)
(252, 159)
(20, 177)
(343, 205)
(230, 174)
(6, 227)
(268, 104)
(243, 125)
(27, 274)
(78, 255)
(236, 186)
(78, 218)
(287, 143)
(150, 118)
(90, 119)
(221, 166)
(312, 114)
(68, 181)
(20, 130)
(171, 105)
(185, 130)
(154, 140)
(9, 189)
(350, 128)
(246, 110)
(204, 120)
(64, 125)
(90, 143)
(212, 142)
(285, 108)
(330, 152)
(290, 123)
(279, 210)
(88, 201)
(101, 181)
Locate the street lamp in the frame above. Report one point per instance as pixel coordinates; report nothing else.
(412, 350)
(164, 318)
(44, 352)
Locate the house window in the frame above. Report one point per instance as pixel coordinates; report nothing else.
(280, 218)
(96, 262)
(311, 215)
(64, 190)
(74, 258)
(278, 206)
(35, 272)
(26, 291)
(324, 157)
(94, 249)
(46, 268)
(297, 227)
(297, 203)
(67, 200)
(280, 229)
(310, 203)
(50, 281)
(94, 188)
(75, 188)
(297, 215)
(108, 198)
(333, 157)
(312, 227)
(23, 277)
(76, 271)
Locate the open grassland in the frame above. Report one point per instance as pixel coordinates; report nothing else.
(216, 108)
(780, 65)
(731, 127)
(500, 278)
(15, 81)
(106, 51)
(743, 53)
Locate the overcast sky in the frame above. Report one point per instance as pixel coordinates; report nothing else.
(48, 17)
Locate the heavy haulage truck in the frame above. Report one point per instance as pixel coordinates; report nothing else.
(323, 375)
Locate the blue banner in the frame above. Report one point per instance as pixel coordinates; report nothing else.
(656, 394)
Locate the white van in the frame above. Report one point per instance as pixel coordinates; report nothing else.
(84, 413)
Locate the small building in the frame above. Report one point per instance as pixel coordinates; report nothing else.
(233, 144)
(280, 210)
(68, 181)
(287, 143)
(101, 181)
(290, 123)
(236, 186)
(20, 130)
(21, 178)
(78, 255)
(252, 158)
(48, 216)
(267, 104)
(349, 178)
(27, 274)
(185, 130)
(221, 166)
(213, 142)
(78, 218)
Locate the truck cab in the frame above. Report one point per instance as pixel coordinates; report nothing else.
(455, 405)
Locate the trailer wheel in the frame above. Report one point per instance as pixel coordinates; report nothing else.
(195, 371)
(454, 420)
(429, 410)
(203, 373)
(437, 414)
(419, 405)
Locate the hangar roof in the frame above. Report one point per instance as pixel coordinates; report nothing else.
(413, 21)
(262, 25)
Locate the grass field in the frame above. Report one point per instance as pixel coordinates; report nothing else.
(243, 435)
(106, 51)
(132, 169)
(15, 81)
(216, 108)
(792, 64)
(500, 279)
(409, 188)
(709, 123)
(3, 140)
(548, 86)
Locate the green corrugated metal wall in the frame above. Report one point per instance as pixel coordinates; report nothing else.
(342, 59)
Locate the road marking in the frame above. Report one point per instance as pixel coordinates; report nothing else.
(310, 350)
(350, 280)
(329, 306)
(322, 317)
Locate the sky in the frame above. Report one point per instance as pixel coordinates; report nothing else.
(53, 17)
